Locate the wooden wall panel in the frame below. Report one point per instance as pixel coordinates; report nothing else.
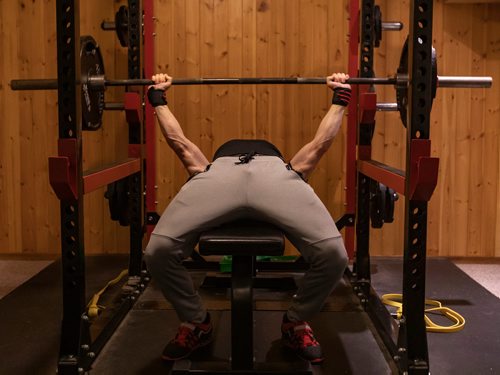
(248, 38)
(30, 210)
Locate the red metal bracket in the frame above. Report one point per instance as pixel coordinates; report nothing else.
(389, 176)
(63, 171)
(424, 170)
(93, 180)
(367, 107)
(133, 107)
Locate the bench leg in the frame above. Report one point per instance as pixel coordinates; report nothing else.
(242, 313)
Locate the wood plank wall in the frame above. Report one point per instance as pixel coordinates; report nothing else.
(254, 38)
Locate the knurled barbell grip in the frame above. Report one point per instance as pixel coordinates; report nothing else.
(250, 81)
(98, 81)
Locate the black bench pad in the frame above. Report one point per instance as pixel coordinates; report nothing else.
(243, 237)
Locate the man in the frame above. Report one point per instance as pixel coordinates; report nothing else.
(247, 179)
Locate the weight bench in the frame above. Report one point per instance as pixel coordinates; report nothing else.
(244, 240)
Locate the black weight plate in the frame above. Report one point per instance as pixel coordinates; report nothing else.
(377, 203)
(402, 92)
(377, 26)
(91, 63)
(121, 23)
(434, 74)
(390, 199)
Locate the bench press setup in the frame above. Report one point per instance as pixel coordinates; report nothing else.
(372, 188)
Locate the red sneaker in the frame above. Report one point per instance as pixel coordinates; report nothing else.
(299, 337)
(190, 337)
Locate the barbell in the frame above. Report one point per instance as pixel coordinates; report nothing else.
(94, 82)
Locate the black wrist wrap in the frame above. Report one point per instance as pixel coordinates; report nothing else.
(341, 96)
(156, 98)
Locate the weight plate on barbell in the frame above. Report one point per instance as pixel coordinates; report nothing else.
(91, 64)
(121, 25)
(377, 26)
(402, 90)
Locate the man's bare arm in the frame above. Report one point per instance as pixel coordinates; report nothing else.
(190, 155)
(308, 157)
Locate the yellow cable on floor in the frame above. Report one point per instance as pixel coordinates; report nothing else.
(457, 319)
(93, 308)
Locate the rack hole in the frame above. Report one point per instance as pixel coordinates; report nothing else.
(422, 23)
(422, 8)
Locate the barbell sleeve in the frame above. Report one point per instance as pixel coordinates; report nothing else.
(33, 84)
(464, 82)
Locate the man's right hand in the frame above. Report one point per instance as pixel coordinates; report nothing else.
(162, 82)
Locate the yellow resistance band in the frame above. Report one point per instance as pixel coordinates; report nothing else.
(93, 307)
(457, 319)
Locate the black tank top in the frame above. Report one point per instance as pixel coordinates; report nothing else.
(238, 147)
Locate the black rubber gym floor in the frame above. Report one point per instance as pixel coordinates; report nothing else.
(30, 317)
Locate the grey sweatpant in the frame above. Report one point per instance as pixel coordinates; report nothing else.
(263, 189)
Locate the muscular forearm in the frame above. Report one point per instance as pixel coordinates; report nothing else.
(328, 128)
(189, 154)
(309, 156)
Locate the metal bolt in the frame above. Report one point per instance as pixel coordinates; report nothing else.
(80, 370)
(147, 279)
(85, 317)
(85, 347)
(91, 354)
(402, 350)
(396, 358)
